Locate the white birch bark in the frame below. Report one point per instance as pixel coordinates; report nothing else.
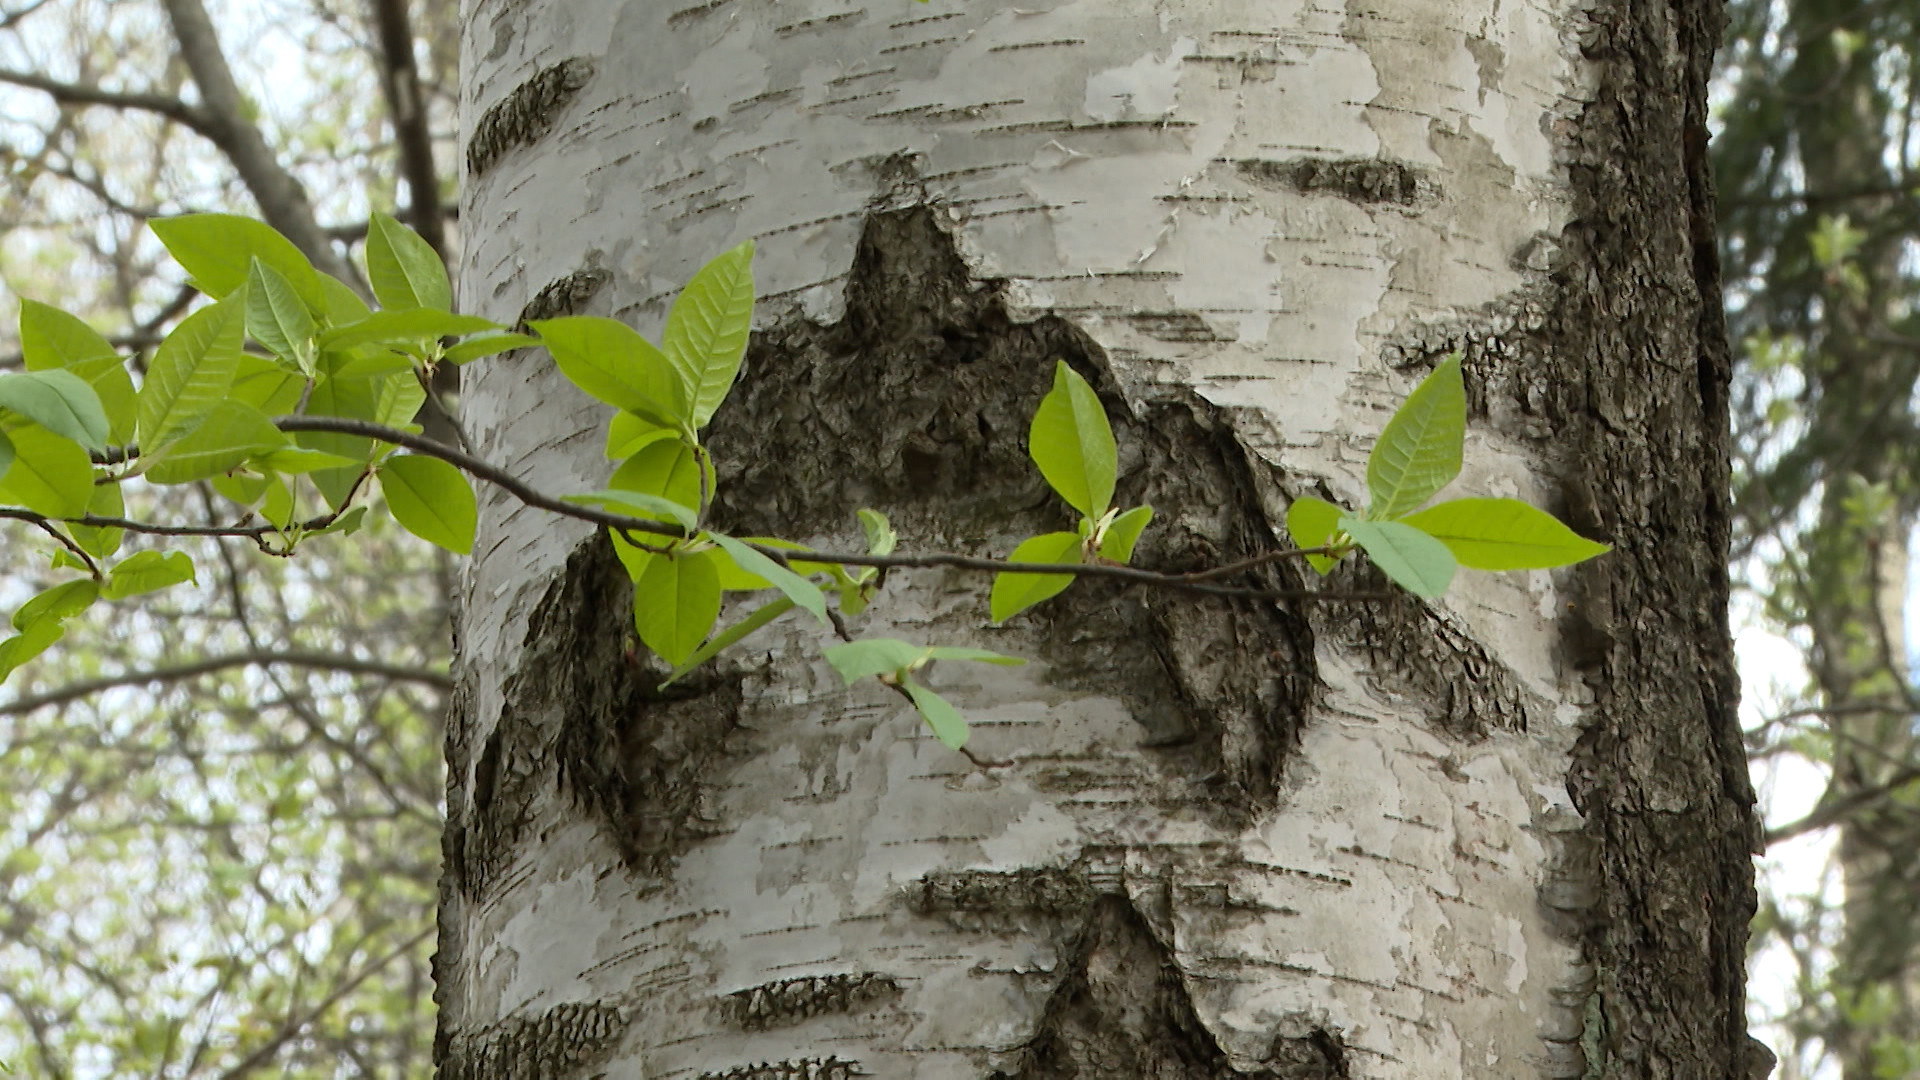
(1142, 170)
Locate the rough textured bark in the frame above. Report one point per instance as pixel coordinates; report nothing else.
(1503, 835)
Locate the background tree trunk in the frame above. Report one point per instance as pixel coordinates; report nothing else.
(1502, 835)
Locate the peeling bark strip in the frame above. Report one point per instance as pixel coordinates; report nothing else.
(565, 295)
(524, 116)
(791, 1001)
(560, 1043)
(827, 1068)
(1049, 890)
(1360, 180)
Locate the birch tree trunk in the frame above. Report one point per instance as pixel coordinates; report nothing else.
(1502, 835)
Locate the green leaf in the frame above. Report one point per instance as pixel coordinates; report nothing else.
(1073, 445)
(404, 270)
(1504, 534)
(217, 249)
(277, 317)
(613, 363)
(101, 541)
(1419, 563)
(640, 505)
(57, 604)
(665, 468)
(798, 589)
(355, 399)
(397, 399)
(148, 571)
(342, 305)
(59, 401)
(675, 604)
(1312, 522)
(50, 474)
(857, 660)
(707, 329)
(1014, 593)
(760, 617)
(945, 720)
(627, 433)
(26, 645)
(431, 499)
(487, 345)
(409, 327)
(881, 539)
(973, 656)
(266, 386)
(229, 436)
(294, 460)
(1123, 533)
(51, 338)
(6, 454)
(1419, 452)
(191, 372)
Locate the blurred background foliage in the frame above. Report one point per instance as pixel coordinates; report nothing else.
(219, 846)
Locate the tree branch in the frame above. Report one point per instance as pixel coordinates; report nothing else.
(74, 94)
(293, 658)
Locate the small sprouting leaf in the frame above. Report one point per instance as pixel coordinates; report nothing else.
(972, 656)
(1504, 534)
(191, 371)
(707, 329)
(59, 401)
(411, 326)
(1123, 533)
(857, 660)
(881, 539)
(627, 433)
(430, 499)
(57, 604)
(798, 589)
(612, 362)
(50, 474)
(487, 345)
(675, 604)
(945, 720)
(1014, 593)
(101, 541)
(1419, 451)
(1072, 443)
(217, 249)
(278, 318)
(229, 436)
(760, 617)
(1312, 523)
(148, 571)
(669, 469)
(1416, 561)
(403, 269)
(640, 505)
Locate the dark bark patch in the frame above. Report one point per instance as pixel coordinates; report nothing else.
(1359, 180)
(564, 295)
(1123, 1010)
(810, 1068)
(563, 1042)
(791, 1001)
(526, 114)
(1046, 890)
(917, 403)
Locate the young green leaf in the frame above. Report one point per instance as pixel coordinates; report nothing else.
(735, 579)
(354, 399)
(342, 305)
(412, 327)
(403, 269)
(881, 539)
(798, 589)
(217, 249)
(101, 541)
(675, 604)
(707, 329)
(50, 474)
(760, 617)
(972, 656)
(228, 437)
(266, 386)
(1014, 593)
(59, 401)
(277, 317)
(1419, 452)
(430, 499)
(51, 338)
(641, 505)
(57, 604)
(191, 371)
(486, 345)
(148, 571)
(1123, 533)
(613, 363)
(945, 720)
(857, 660)
(1417, 562)
(1312, 522)
(28, 644)
(1072, 443)
(627, 433)
(667, 468)
(1504, 534)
